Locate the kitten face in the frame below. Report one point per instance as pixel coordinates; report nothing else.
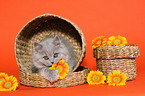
(47, 53)
(50, 51)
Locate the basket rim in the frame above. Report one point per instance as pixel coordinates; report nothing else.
(130, 45)
(27, 74)
(114, 52)
(66, 20)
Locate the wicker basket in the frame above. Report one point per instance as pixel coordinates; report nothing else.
(38, 29)
(110, 58)
(72, 79)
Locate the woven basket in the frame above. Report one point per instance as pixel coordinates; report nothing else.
(110, 58)
(37, 30)
(72, 79)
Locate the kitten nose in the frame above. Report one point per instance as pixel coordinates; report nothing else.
(52, 62)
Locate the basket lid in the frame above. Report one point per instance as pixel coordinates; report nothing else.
(116, 52)
(47, 25)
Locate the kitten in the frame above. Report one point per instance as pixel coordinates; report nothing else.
(49, 52)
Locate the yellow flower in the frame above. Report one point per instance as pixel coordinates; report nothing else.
(99, 41)
(117, 41)
(116, 78)
(62, 68)
(3, 76)
(95, 78)
(10, 83)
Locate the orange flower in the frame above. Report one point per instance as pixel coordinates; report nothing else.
(116, 78)
(99, 41)
(10, 83)
(95, 78)
(62, 68)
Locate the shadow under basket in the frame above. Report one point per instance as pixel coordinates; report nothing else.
(122, 58)
(37, 30)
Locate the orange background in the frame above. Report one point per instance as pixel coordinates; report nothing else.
(95, 18)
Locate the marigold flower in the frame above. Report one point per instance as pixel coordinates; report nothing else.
(117, 41)
(62, 68)
(3, 76)
(10, 83)
(116, 78)
(99, 41)
(95, 78)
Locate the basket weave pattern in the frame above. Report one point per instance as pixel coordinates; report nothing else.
(36, 80)
(110, 58)
(28, 51)
(128, 66)
(113, 52)
(38, 29)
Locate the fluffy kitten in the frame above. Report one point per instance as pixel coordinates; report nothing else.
(49, 52)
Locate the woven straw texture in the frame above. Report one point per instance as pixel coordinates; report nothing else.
(72, 79)
(40, 28)
(128, 66)
(110, 58)
(113, 52)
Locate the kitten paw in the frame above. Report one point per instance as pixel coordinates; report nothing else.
(51, 75)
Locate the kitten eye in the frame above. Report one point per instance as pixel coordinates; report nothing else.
(46, 57)
(55, 55)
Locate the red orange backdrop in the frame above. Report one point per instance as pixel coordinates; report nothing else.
(95, 18)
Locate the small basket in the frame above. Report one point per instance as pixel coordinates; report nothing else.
(38, 29)
(110, 58)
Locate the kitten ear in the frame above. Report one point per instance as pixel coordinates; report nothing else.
(37, 46)
(56, 40)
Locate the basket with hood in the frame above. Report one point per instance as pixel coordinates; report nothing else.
(38, 29)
